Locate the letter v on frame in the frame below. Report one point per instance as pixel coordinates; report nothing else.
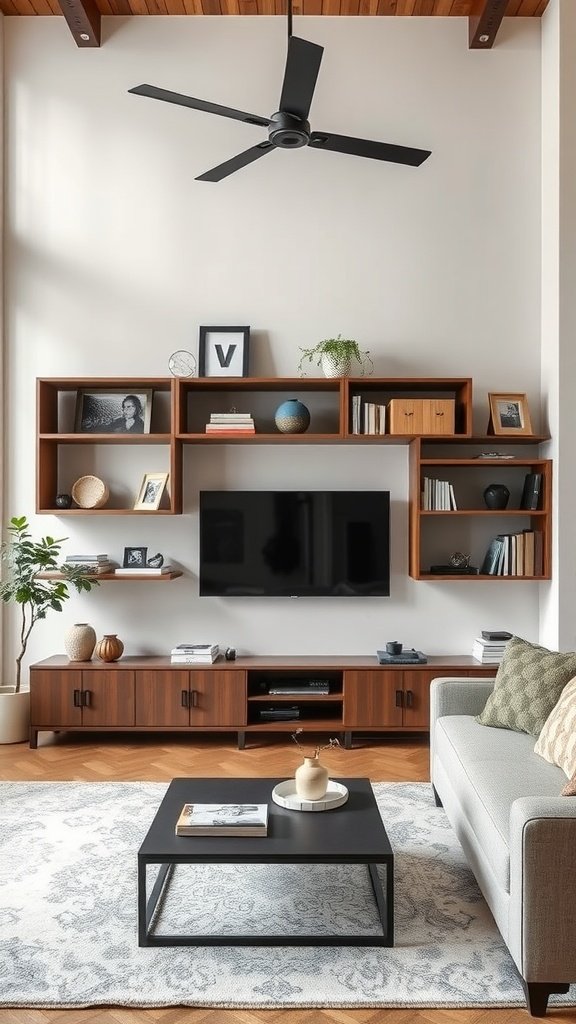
(221, 356)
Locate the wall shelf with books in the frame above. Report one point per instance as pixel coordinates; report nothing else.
(477, 500)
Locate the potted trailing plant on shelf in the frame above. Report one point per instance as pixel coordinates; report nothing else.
(336, 356)
(25, 560)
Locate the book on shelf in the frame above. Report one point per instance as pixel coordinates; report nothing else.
(223, 820)
(193, 659)
(495, 635)
(87, 558)
(231, 417)
(531, 491)
(144, 571)
(407, 657)
(220, 428)
(488, 652)
(514, 554)
(195, 649)
(438, 496)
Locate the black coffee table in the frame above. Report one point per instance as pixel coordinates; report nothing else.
(351, 834)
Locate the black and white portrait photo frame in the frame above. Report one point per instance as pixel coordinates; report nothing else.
(151, 491)
(509, 414)
(113, 411)
(223, 351)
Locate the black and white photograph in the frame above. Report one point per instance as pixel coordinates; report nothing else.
(103, 411)
(151, 491)
(223, 351)
(509, 414)
(135, 558)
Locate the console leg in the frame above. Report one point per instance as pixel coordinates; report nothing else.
(241, 739)
(537, 994)
(348, 739)
(437, 799)
(33, 738)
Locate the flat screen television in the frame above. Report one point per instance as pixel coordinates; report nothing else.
(295, 543)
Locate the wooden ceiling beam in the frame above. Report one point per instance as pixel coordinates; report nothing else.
(483, 28)
(83, 20)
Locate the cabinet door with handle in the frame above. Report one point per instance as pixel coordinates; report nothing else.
(55, 698)
(162, 698)
(417, 699)
(218, 698)
(372, 699)
(108, 698)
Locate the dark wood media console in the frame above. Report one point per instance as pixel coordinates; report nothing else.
(153, 695)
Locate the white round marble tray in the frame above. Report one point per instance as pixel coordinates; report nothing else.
(284, 794)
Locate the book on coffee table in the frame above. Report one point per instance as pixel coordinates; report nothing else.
(223, 820)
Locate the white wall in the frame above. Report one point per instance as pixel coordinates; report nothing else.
(115, 255)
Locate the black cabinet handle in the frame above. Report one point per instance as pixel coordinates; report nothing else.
(409, 699)
(77, 701)
(87, 698)
(194, 694)
(399, 700)
(185, 703)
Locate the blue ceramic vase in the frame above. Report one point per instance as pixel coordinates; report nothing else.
(292, 417)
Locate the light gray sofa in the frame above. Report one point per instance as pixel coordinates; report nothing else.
(518, 833)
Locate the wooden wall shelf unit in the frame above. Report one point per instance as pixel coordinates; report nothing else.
(472, 526)
(186, 404)
(152, 695)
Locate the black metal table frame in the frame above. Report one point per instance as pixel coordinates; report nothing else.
(147, 906)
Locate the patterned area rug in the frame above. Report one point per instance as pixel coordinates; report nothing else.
(68, 914)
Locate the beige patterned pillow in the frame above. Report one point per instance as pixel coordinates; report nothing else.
(557, 741)
(570, 787)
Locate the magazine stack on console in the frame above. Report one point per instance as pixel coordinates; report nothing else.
(194, 654)
(489, 648)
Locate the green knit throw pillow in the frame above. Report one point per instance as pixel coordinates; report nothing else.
(528, 685)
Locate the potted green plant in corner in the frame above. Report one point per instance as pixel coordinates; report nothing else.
(336, 356)
(24, 560)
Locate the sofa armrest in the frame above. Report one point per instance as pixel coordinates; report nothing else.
(543, 887)
(456, 695)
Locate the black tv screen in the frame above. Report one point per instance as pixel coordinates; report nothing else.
(295, 543)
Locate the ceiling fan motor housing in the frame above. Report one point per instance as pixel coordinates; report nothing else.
(288, 131)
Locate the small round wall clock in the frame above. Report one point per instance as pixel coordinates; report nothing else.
(182, 363)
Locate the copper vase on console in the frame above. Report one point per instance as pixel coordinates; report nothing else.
(110, 648)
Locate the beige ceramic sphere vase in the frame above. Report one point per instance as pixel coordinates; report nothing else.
(110, 648)
(311, 779)
(79, 642)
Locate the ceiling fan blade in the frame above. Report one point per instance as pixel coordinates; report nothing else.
(364, 147)
(302, 67)
(236, 163)
(189, 101)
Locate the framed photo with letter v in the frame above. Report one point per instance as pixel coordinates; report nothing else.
(223, 351)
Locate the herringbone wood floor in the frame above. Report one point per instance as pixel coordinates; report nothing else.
(160, 758)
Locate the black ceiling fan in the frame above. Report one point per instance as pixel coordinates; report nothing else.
(289, 127)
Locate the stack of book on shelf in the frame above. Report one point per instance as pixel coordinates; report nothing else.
(230, 423)
(144, 570)
(514, 554)
(223, 820)
(367, 417)
(91, 564)
(490, 651)
(194, 654)
(438, 496)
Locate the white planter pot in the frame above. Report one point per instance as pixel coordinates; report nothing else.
(14, 715)
(334, 367)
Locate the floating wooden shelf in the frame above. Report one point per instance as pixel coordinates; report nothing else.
(105, 577)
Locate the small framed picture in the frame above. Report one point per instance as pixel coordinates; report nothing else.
(151, 491)
(106, 411)
(509, 414)
(223, 351)
(135, 558)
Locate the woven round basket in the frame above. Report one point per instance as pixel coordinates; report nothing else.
(90, 492)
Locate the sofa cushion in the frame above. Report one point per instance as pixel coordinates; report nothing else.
(528, 684)
(557, 741)
(489, 769)
(570, 787)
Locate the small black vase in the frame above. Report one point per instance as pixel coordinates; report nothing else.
(63, 501)
(496, 496)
